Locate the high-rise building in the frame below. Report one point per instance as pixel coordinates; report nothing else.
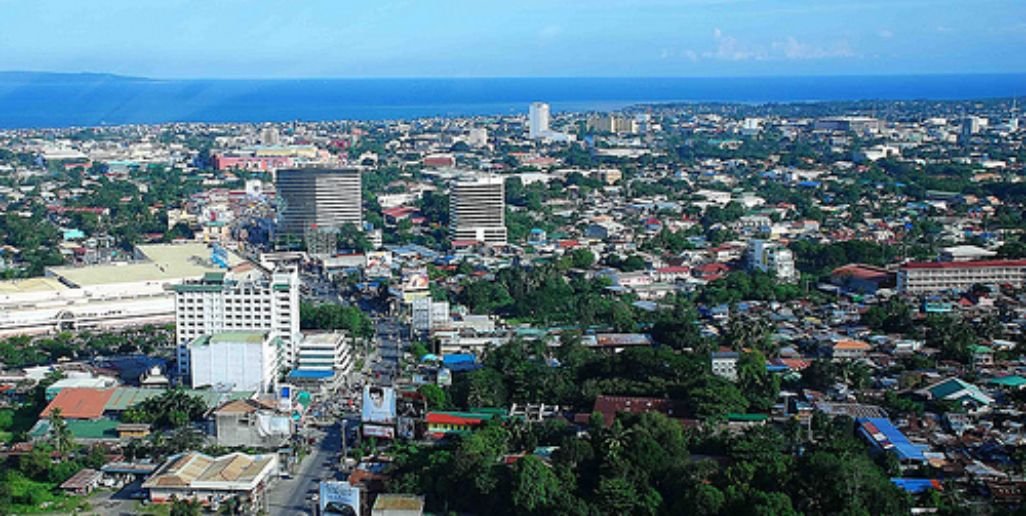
(236, 361)
(254, 300)
(538, 120)
(319, 199)
(477, 209)
(612, 124)
(774, 258)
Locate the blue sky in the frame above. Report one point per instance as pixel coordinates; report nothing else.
(486, 38)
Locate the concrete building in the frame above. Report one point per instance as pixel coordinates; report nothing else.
(774, 258)
(538, 120)
(724, 364)
(325, 352)
(920, 277)
(609, 123)
(427, 314)
(477, 209)
(238, 361)
(205, 479)
(319, 199)
(115, 295)
(252, 424)
(477, 137)
(250, 300)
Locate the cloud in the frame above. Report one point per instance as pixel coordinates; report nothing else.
(729, 48)
(885, 33)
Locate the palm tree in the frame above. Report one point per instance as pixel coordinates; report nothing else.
(60, 433)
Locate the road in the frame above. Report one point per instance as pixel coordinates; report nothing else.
(292, 496)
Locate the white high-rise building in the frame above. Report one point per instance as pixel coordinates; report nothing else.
(253, 300)
(237, 361)
(325, 352)
(477, 209)
(319, 199)
(774, 258)
(477, 137)
(538, 120)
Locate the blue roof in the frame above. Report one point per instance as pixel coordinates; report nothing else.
(916, 485)
(458, 358)
(310, 374)
(883, 435)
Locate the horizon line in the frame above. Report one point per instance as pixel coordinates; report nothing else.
(515, 77)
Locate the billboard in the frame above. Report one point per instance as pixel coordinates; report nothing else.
(379, 264)
(415, 280)
(378, 404)
(339, 498)
(407, 428)
(379, 431)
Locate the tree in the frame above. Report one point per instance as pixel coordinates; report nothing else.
(60, 434)
(185, 508)
(535, 488)
(434, 396)
(582, 258)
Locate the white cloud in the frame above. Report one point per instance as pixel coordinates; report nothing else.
(885, 33)
(729, 48)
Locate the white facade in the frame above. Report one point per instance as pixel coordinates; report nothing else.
(724, 365)
(477, 209)
(773, 258)
(428, 315)
(920, 277)
(477, 137)
(325, 352)
(238, 361)
(538, 120)
(252, 301)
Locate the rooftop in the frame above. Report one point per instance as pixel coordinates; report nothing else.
(162, 262)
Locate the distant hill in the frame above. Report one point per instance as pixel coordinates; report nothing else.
(58, 77)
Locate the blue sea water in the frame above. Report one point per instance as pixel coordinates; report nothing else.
(58, 100)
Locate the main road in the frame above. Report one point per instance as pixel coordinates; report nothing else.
(293, 495)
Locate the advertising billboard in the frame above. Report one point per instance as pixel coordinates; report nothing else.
(379, 431)
(407, 428)
(379, 264)
(414, 281)
(339, 498)
(378, 404)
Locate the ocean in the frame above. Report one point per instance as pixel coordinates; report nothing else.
(33, 100)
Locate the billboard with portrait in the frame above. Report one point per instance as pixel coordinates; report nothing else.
(339, 498)
(415, 280)
(378, 404)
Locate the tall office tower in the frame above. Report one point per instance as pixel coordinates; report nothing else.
(250, 300)
(319, 198)
(538, 120)
(477, 209)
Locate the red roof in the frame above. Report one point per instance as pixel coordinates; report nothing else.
(79, 403)
(610, 406)
(978, 264)
(862, 272)
(673, 269)
(567, 244)
(438, 418)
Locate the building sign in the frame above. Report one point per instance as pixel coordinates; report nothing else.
(378, 404)
(379, 431)
(339, 498)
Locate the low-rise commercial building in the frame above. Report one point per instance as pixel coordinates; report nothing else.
(238, 361)
(920, 277)
(211, 480)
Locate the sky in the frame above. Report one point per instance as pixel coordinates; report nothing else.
(512, 38)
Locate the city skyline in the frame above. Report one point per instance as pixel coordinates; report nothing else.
(695, 38)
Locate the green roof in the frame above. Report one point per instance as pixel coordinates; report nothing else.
(93, 429)
(195, 287)
(246, 337)
(213, 277)
(1008, 381)
(126, 397)
(746, 417)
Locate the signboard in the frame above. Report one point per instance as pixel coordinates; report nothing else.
(407, 428)
(379, 263)
(379, 431)
(444, 377)
(339, 498)
(415, 280)
(378, 404)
